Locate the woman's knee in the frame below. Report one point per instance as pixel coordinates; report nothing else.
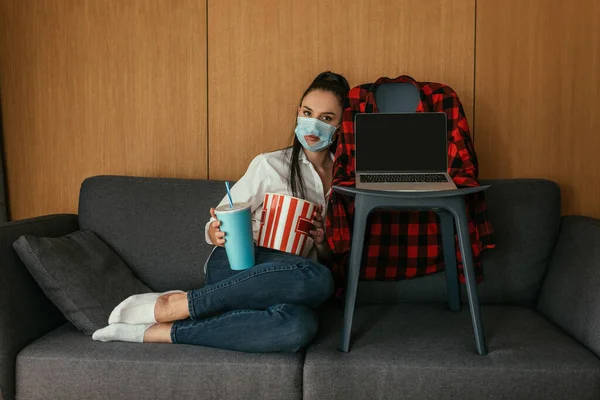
(309, 283)
(300, 327)
(319, 287)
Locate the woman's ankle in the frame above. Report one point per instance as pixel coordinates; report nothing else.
(171, 307)
(158, 333)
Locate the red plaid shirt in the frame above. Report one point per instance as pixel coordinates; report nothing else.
(404, 245)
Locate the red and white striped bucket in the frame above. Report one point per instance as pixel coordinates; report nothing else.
(285, 223)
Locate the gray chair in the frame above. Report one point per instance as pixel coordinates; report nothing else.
(449, 205)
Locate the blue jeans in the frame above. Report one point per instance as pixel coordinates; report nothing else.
(265, 308)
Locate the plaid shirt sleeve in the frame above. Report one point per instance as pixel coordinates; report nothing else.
(462, 160)
(401, 245)
(463, 168)
(341, 208)
(343, 167)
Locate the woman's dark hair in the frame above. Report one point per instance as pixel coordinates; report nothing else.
(328, 82)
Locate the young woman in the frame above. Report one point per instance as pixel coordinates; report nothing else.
(269, 306)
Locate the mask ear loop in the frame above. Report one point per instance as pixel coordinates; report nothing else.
(336, 132)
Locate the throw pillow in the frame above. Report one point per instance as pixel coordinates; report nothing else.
(80, 274)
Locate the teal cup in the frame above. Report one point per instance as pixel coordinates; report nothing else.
(236, 222)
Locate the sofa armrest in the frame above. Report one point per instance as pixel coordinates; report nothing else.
(570, 295)
(25, 312)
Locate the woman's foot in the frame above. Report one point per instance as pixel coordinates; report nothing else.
(151, 333)
(121, 332)
(150, 308)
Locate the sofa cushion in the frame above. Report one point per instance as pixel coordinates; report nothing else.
(65, 365)
(156, 225)
(411, 351)
(525, 215)
(80, 274)
(571, 296)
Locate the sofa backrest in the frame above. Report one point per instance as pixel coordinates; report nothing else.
(155, 224)
(525, 215)
(570, 297)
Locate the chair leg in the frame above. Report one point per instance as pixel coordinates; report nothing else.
(459, 211)
(447, 227)
(358, 236)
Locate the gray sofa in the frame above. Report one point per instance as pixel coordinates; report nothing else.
(541, 310)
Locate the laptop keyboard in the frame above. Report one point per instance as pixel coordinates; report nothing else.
(396, 178)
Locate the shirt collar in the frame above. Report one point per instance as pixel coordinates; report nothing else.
(302, 157)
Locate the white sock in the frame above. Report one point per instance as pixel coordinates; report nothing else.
(122, 332)
(137, 309)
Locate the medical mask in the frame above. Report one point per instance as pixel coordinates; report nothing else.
(312, 126)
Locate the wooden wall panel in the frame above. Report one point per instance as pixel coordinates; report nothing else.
(99, 87)
(537, 95)
(263, 54)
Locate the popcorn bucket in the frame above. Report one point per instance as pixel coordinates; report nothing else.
(285, 223)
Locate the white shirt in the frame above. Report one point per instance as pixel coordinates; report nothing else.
(269, 173)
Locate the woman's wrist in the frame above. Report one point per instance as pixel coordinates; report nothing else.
(323, 251)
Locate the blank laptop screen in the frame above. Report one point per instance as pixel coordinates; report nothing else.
(410, 142)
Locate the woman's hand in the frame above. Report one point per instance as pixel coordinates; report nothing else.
(318, 233)
(318, 236)
(217, 237)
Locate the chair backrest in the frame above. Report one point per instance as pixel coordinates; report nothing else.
(397, 97)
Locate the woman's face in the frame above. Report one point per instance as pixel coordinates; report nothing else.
(323, 106)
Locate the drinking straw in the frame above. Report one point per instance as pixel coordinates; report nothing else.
(229, 194)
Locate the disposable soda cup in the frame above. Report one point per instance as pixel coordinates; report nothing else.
(236, 222)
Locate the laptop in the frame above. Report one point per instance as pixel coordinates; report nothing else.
(402, 151)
